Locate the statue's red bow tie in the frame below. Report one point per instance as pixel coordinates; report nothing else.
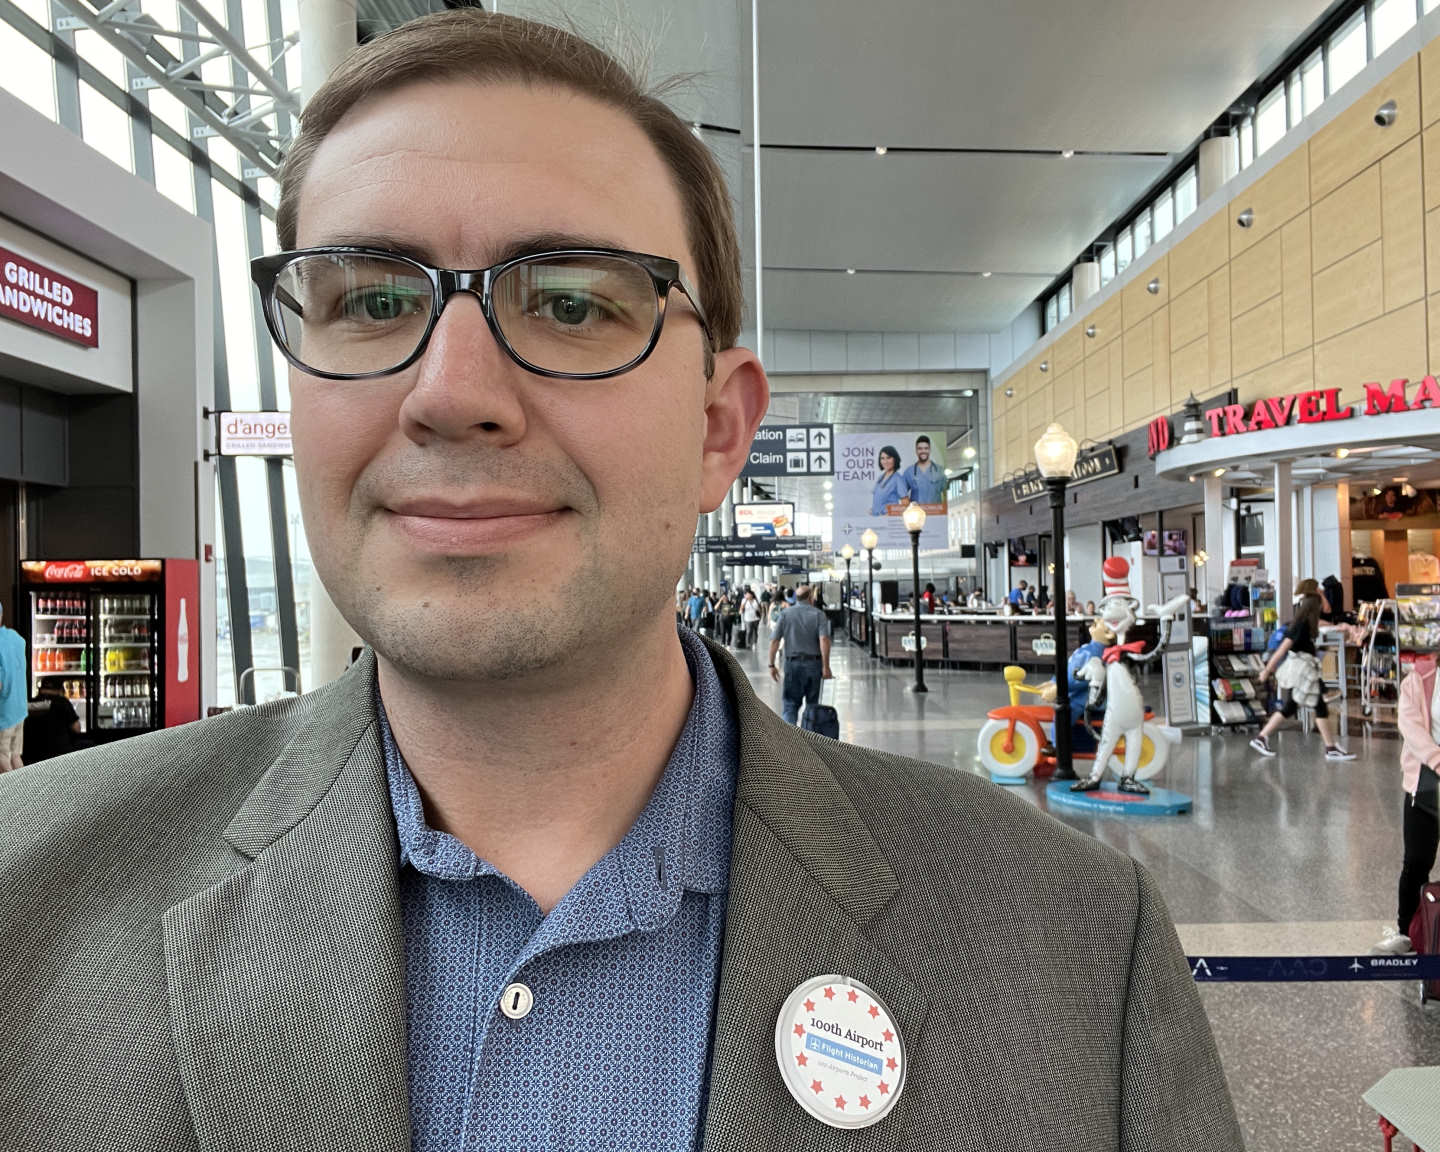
(1114, 652)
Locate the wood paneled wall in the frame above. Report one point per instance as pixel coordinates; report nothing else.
(1334, 281)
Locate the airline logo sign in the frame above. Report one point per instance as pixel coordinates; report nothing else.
(254, 433)
(41, 298)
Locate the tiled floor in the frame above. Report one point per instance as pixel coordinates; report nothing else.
(1291, 856)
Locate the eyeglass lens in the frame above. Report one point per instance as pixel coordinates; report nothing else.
(351, 314)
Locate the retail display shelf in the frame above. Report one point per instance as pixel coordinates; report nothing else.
(40, 616)
(49, 645)
(122, 616)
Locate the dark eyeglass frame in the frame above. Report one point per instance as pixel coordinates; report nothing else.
(664, 275)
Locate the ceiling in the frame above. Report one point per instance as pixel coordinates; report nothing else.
(1134, 82)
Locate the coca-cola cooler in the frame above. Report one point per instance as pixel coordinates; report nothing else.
(114, 637)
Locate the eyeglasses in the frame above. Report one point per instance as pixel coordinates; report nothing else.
(573, 314)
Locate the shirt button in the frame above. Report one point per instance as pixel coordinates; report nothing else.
(516, 1001)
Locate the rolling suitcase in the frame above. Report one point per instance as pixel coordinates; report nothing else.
(822, 719)
(1425, 935)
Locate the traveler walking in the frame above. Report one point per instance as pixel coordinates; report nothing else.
(694, 607)
(805, 632)
(750, 618)
(1420, 829)
(1299, 676)
(14, 696)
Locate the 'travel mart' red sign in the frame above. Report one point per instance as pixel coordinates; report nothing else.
(42, 298)
(1316, 406)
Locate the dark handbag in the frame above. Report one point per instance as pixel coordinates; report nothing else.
(1427, 791)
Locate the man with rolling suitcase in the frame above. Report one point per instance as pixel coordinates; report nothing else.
(805, 632)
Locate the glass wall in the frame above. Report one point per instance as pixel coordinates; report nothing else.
(258, 523)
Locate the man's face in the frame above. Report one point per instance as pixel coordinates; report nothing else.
(922, 452)
(473, 520)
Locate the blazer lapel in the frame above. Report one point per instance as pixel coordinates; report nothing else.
(806, 879)
(287, 978)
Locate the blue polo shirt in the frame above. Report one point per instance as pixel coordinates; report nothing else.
(615, 1051)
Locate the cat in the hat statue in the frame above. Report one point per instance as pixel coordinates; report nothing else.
(1114, 675)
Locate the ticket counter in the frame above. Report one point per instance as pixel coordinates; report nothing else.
(985, 640)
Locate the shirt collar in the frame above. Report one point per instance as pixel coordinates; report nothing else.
(681, 840)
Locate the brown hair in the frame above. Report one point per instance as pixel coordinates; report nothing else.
(470, 43)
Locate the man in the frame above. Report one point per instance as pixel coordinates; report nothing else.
(805, 632)
(540, 870)
(14, 696)
(1018, 595)
(695, 607)
(927, 482)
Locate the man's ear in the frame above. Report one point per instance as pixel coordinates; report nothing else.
(737, 396)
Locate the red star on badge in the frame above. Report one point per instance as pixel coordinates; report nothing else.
(884, 1087)
(801, 1059)
(874, 1012)
(829, 993)
(799, 1030)
(864, 1101)
(816, 1086)
(889, 1036)
(854, 996)
(890, 1063)
(809, 1005)
(840, 1103)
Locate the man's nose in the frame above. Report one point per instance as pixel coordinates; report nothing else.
(465, 383)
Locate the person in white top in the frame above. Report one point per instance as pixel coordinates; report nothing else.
(750, 617)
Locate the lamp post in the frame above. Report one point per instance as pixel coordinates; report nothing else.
(914, 517)
(1055, 455)
(868, 540)
(847, 554)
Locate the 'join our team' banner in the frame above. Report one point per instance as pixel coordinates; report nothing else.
(877, 474)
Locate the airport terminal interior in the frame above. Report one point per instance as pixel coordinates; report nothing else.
(1100, 335)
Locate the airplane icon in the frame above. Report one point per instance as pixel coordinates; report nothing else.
(1357, 966)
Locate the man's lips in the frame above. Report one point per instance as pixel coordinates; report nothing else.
(472, 527)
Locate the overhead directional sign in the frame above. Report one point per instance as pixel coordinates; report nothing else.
(759, 545)
(792, 450)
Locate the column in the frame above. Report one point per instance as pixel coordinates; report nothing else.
(1215, 513)
(1217, 164)
(327, 31)
(1084, 282)
(1305, 532)
(1283, 572)
(712, 561)
(327, 36)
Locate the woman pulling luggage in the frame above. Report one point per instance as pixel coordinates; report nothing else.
(1299, 676)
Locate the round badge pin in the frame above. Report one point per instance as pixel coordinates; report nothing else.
(840, 1052)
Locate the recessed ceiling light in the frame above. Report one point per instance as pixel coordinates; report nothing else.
(829, 484)
(1341, 453)
(969, 452)
(1220, 471)
(850, 271)
(880, 150)
(968, 392)
(1067, 153)
(1401, 479)
(986, 275)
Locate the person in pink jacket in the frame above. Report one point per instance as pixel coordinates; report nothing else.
(1419, 758)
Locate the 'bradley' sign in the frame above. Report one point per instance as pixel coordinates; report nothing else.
(41, 298)
(1093, 464)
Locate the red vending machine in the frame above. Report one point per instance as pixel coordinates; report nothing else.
(114, 637)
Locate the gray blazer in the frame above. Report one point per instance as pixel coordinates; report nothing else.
(200, 948)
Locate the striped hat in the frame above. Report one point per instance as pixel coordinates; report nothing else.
(1116, 576)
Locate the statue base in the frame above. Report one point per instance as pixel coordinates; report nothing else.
(1105, 800)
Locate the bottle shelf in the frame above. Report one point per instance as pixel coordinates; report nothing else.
(123, 616)
(42, 616)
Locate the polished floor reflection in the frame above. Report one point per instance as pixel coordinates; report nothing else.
(1290, 856)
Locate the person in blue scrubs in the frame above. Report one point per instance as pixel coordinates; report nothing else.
(925, 478)
(891, 487)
